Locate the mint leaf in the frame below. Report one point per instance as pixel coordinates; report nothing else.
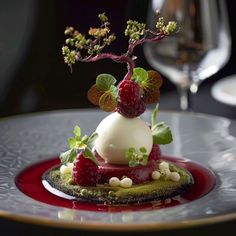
(77, 132)
(139, 75)
(105, 81)
(154, 114)
(88, 154)
(161, 134)
(68, 156)
(72, 143)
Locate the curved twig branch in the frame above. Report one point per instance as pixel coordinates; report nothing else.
(117, 58)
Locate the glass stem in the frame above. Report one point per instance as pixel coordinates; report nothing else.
(187, 96)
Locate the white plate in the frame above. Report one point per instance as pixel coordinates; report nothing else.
(225, 90)
(208, 140)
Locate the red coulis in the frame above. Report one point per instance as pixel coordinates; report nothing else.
(30, 183)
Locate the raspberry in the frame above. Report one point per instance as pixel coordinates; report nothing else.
(85, 171)
(129, 92)
(131, 110)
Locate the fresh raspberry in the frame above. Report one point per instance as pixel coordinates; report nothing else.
(129, 92)
(85, 171)
(132, 110)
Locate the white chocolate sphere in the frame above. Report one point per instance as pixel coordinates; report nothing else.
(116, 134)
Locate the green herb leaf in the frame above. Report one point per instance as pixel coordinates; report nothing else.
(154, 114)
(105, 81)
(88, 154)
(143, 150)
(77, 131)
(145, 160)
(102, 17)
(132, 163)
(114, 91)
(68, 156)
(72, 143)
(85, 138)
(107, 102)
(136, 158)
(91, 140)
(139, 75)
(161, 134)
(130, 150)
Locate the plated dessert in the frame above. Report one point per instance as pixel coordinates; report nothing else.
(121, 162)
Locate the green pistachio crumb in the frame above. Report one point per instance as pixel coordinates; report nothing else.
(84, 192)
(111, 194)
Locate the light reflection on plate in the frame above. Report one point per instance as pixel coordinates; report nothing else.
(206, 139)
(225, 90)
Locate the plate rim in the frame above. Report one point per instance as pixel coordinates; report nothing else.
(117, 227)
(221, 96)
(101, 226)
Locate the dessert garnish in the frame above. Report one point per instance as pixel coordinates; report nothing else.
(121, 161)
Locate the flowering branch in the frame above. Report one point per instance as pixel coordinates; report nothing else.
(80, 48)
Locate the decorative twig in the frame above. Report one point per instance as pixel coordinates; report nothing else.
(79, 48)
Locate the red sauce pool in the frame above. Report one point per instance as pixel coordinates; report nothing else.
(29, 182)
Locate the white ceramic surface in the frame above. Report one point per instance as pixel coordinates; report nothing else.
(225, 90)
(206, 139)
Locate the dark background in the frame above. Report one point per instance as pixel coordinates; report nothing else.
(33, 76)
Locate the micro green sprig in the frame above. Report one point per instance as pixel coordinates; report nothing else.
(78, 144)
(137, 157)
(78, 44)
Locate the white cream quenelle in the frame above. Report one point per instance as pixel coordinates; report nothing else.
(116, 134)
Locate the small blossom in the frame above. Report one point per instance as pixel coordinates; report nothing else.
(69, 30)
(98, 32)
(103, 17)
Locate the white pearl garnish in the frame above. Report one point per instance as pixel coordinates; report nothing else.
(126, 182)
(156, 175)
(66, 169)
(174, 176)
(114, 182)
(164, 165)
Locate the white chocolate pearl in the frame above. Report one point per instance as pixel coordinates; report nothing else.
(164, 165)
(167, 173)
(114, 182)
(126, 182)
(156, 175)
(174, 176)
(66, 169)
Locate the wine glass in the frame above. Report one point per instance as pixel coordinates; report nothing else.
(199, 49)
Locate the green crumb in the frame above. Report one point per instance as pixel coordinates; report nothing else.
(103, 193)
